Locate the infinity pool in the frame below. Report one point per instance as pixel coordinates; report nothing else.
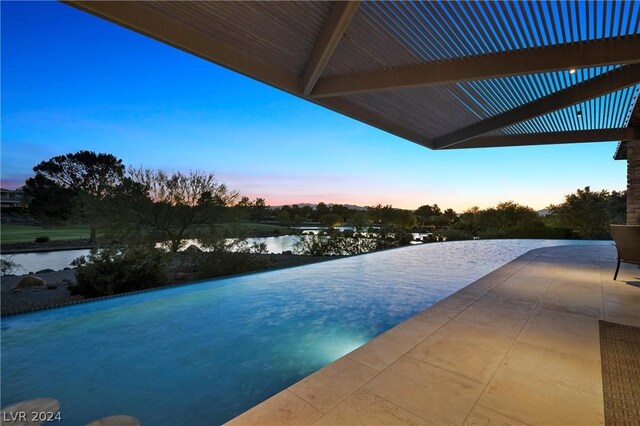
(201, 354)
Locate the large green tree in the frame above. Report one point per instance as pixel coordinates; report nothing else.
(589, 213)
(74, 185)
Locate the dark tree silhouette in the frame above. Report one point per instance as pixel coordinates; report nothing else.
(74, 185)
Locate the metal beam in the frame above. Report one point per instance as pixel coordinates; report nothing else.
(549, 138)
(601, 85)
(341, 14)
(135, 16)
(375, 119)
(528, 61)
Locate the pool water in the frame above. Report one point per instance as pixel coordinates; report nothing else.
(201, 354)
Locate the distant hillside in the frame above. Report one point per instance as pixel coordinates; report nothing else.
(350, 206)
(543, 212)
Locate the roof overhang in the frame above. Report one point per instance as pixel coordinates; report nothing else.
(520, 73)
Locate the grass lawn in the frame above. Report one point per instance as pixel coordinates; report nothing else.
(22, 233)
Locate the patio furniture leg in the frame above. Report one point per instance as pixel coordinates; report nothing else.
(617, 269)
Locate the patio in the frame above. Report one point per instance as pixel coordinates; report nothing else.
(519, 346)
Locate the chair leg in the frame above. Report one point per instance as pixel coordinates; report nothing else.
(617, 269)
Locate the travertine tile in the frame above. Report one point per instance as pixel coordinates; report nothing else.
(380, 352)
(437, 314)
(574, 335)
(430, 392)
(574, 300)
(365, 408)
(413, 330)
(536, 402)
(557, 367)
(481, 416)
(464, 348)
(327, 387)
(281, 409)
(462, 299)
(623, 312)
(486, 336)
(507, 313)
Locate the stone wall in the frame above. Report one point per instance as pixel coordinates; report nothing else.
(633, 183)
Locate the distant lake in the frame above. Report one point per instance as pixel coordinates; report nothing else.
(56, 260)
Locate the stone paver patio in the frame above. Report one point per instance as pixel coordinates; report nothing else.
(518, 346)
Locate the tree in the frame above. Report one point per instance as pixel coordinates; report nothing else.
(283, 216)
(451, 215)
(359, 220)
(404, 219)
(157, 206)
(331, 220)
(258, 210)
(468, 220)
(423, 213)
(80, 181)
(589, 213)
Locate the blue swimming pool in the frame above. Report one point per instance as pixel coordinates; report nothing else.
(203, 353)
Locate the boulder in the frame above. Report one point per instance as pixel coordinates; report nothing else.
(30, 281)
(180, 276)
(193, 249)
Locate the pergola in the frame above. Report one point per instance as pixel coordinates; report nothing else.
(445, 75)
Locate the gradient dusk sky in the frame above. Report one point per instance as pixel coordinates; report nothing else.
(72, 81)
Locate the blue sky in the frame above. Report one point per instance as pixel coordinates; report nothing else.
(72, 81)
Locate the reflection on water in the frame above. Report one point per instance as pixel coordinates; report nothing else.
(56, 260)
(33, 262)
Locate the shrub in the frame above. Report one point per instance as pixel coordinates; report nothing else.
(230, 257)
(333, 244)
(452, 234)
(42, 239)
(113, 270)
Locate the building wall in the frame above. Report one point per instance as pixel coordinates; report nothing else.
(633, 183)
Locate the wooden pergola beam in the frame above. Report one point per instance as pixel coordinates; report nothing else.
(528, 61)
(598, 86)
(341, 14)
(549, 138)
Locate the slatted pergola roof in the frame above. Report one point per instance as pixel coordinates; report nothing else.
(454, 74)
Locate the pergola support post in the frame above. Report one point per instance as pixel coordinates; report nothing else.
(633, 182)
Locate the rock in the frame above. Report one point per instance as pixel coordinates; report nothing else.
(193, 249)
(30, 281)
(44, 271)
(66, 281)
(181, 276)
(52, 287)
(116, 421)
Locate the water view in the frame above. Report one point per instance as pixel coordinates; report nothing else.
(206, 352)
